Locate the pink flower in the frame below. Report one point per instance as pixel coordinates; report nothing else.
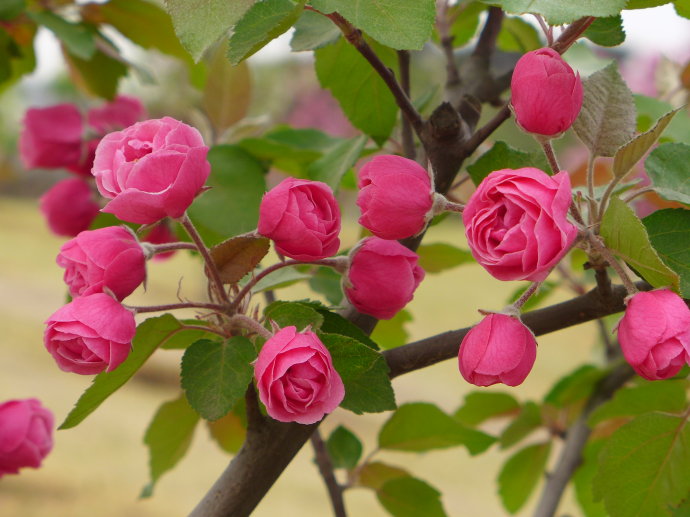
(108, 258)
(498, 349)
(90, 334)
(516, 223)
(122, 112)
(51, 137)
(382, 277)
(296, 379)
(69, 207)
(161, 234)
(302, 217)
(654, 334)
(151, 170)
(546, 93)
(26, 435)
(395, 197)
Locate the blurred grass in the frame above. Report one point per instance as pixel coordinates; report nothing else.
(100, 467)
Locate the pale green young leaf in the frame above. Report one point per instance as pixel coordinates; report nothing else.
(558, 12)
(483, 405)
(391, 333)
(669, 233)
(667, 167)
(99, 75)
(529, 419)
(575, 386)
(521, 474)
(333, 165)
(376, 473)
(312, 31)
(230, 431)
(279, 279)
(650, 109)
(410, 497)
(439, 256)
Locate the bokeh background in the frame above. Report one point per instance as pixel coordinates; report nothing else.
(100, 467)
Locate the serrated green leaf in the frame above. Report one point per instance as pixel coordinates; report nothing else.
(77, 38)
(483, 405)
(215, 375)
(263, 22)
(627, 237)
(607, 117)
(650, 396)
(99, 76)
(410, 497)
(628, 155)
(334, 323)
(518, 36)
(502, 156)
(400, 24)
(521, 474)
(227, 93)
(168, 437)
(583, 480)
(669, 233)
(363, 96)
(231, 207)
(607, 32)
(649, 110)
(558, 12)
(364, 373)
(439, 256)
(575, 386)
(151, 334)
(419, 427)
(312, 31)
(644, 467)
(327, 282)
(333, 165)
(391, 333)
(667, 167)
(199, 24)
(344, 448)
(528, 420)
(285, 314)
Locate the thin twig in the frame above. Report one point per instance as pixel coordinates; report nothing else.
(174, 306)
(323, 460)
(636, 193)
(443, 25)
(549, 153)
(526, 295)
(407, 136)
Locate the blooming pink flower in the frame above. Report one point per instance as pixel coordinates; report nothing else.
(90, 334)
(51, 137)
(498, 349)
(296, 378)
(69, 207)
(151, 170)
(395, 197)
(302, 217)
(654, 334)
(108, 258)
(516, 223)
(26, 435)
(122, 112)
(546, 93)
(382, 277)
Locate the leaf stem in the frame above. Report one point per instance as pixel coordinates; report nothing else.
(526, 295)
(250, 324)
(599, 246)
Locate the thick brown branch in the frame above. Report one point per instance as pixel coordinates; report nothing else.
(407, 136)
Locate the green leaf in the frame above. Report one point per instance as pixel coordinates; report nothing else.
(364, 372)
(628, 155)
(650, 109)
(682, 8)
(227, 92)
(230, 431)
(344, 448)
(11, 9)
(439, 256)
(521, 474)
(669, 233)
(607, 117)
(410, 497)
(215, 375)
(77, 38)
(400, 24)
(483, 405)
(607, 32)
(334, 323)
(262, 23)
(326, 281)
(231, 207)
(375, 474)
(237, 256)
(518, 36)
(645, 4)
(312, 31)
(545, 290)
(285, 314)
(583, 480)
(575, 386)
(637, 400)
(168, 437)
(627, 237)
(419, 427)
(99, 75)
(333, 165)
(279, 279)
(362, 94)
(558, 12)
(183, 338)
(466, 21)
(151, 334)
(502, 156)
(527, 421)
(667, 167)
(645, 466)
(200, 24)
(391, 333)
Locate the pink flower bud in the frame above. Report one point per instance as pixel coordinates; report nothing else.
(302, 217)
(546, 93)
(151, 170)
(51, 137)
(296, 378)
(382, 277)
(90, 334)
(69, 207)
(654, 334)
(516, 223)
(26, 435)
(498, 349)
(395, 197)
(108, 258)
(122, 112)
